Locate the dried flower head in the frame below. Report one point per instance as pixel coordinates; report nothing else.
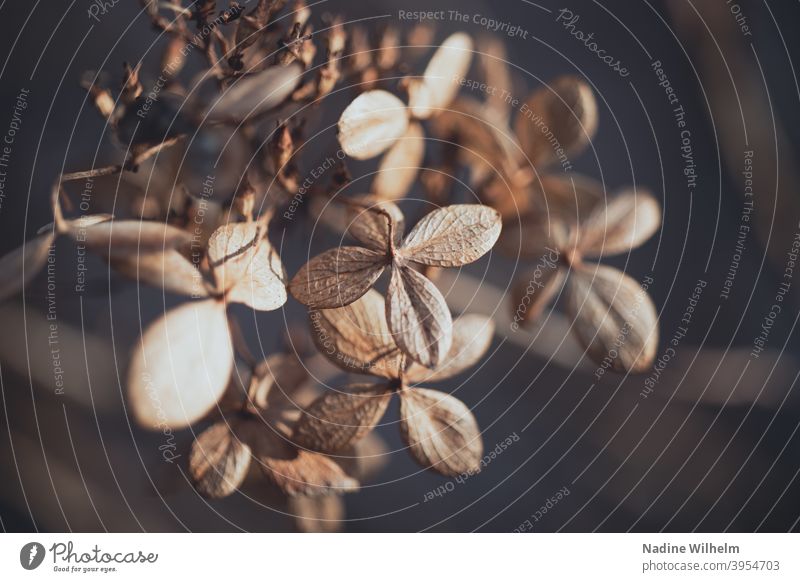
(440, 430)
(614, 318)
(418, 316)
(260, 428)
(377, 121)
(513, 169)
(166, 385)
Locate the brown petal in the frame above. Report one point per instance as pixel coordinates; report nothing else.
(472, 336)
(298, 472)
(182, 366)
(453, 236)
(263, 284)
(33, 255)
(320, 514)
(337, 277)
(532, 236)
(357, 338)
(440, 82)
(123, 238)
(338, 419)
(441, 432)
(365, 458)
(254, 94)
(278, 377)
(614, 318)
(369, 222)
(218, 461)
(399, 167)
(563, 115)
(340, 214)
(534, 290)
(418, 317)
(487, 147)
(509, 199)
(169, 270)
(571, 197)
(371, 124)
(625, 223)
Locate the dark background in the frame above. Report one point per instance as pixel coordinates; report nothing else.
(714, 448)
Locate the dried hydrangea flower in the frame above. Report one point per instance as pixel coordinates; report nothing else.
(418, 316)
(181, 367)
(614, 318)
(440, 430)
(514, 169)
(377, 121)
(260, 429)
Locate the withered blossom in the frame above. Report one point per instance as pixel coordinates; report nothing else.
(440, 431)
(613, 316)
(418, 316)
(257, 426)
(377, 120)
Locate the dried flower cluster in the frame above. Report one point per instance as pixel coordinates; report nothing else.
(264, 78)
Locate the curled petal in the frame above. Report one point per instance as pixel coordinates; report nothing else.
(613, 317)
(440, 431)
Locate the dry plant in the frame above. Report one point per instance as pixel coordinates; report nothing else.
(262, 83)
(418, 316)
(613, 316)
(440, 430)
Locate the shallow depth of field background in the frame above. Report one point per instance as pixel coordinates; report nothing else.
(714, 447)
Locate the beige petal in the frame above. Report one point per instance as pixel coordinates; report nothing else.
(320, 514)
(563, 115)
(230, 251)
(340, 418)
(496, 72)
(255, 94)
(472, 336)
(123, 238)
(399, 167)
(30, 257)
(263, 285)
(625, 223)
(218, 461)
(88, 220)
(440, 82)
(441, 432)
(337, 277)
(453, 236)
(613, 317)
(534, 290)
(371, 124)
(182, 366)
(369, 222)
(418, 317)
(357, 338)
(169, 271)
